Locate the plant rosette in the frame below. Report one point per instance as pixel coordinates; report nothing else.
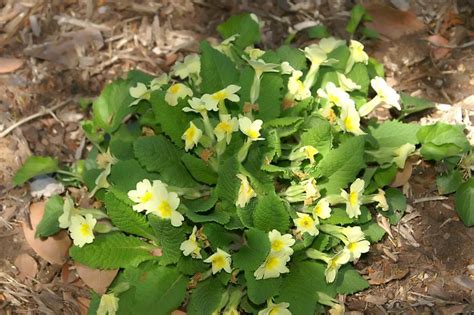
(254, 173)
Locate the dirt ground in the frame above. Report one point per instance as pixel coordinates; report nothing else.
(63, 51)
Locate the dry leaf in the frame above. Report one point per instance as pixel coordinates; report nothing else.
(393, 23)
(53, 249)
(26, 265)
(83, 304)
(96, 279)
(8, 65)
(402, 176)
(439, 52)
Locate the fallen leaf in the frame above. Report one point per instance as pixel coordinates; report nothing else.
(26, 265)
(8, 65)
(83, 304)
(53, 249)
(438, 52)
(402, 176)
(96, 279)
(375, 299)
(393, 23)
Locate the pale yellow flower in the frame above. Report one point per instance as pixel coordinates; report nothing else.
(165, 204)
(273, 266)
(259, 66)
(142, 196)
(350, 120)
(357, 52)
(275, 309)
(191, 65)
(328, 44)
(246, 192)
(322, 209)
(401, 154)
(228, 93)
(385, 94)
(381, 200)
(226, 127)
(176, 92)
(309, 152)
(199, 106)
(82, 229)
(356, 249)
(334, 263)
(191, 246)
(220, 260)
(335, 95)
(353, 198)
(68, 211)
(305, 224)
(296, 87)
(281, 243)
(191, 136)
(254, 53)
(251, 128)
(108, 304)
(347, 84)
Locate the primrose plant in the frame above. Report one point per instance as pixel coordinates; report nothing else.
(244, 181)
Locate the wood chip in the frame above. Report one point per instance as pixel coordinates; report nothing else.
(26, 265)
(8, 65)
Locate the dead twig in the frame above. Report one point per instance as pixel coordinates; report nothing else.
(426, 199)
(64, 19)
(34, 116)
(465, 45)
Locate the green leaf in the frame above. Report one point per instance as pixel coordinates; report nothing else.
(172, 119)
(341, 54)
(375, 68)
(125, 218)
(217, 70)
(441, 140)
(373, 232)
(384, 176)
(243, 25)
(319, 136)
(49, 224)
(319, 31)
(360, 75)
(393, 134)
(202, 204)
(218, 215)
(228, 183)
(299, 287)
(158, 154)
(170, 238)
(125, 175)
(112, 105)
(254, 251)
(339, 216)
(465, 202)
(341, 166)
(449, 182)
(218, 236)
(370, 33)
(261, 290)
(269, 100)
(294, 56)
(348, 281)
(206, 297)
(35, 166)
(112, 251)
(153, 289)
(397, 204)
(199, 169)
(413, 105)
(357, 16)
(270, 213)
(190, 266)
(121, 144)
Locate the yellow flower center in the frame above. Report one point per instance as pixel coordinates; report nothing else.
(219, 261)
(277, 245)
(318, 209)
(85, 229)
(353, 198)
(174, 88)
(146, 197)
(164, 209)
(220, 96)
(274, 311)
(190, 133)
(271, 263)
(306, 222)
(253, 134)
(225, 127)
(333, 98)
(349, 123)
(352, 247)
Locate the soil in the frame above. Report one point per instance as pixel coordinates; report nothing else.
(425, 267)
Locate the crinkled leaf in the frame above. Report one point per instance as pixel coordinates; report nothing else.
(397, 204)
(126, 174)
(449, 182)
(340, 166)
(318, 136)
(228, 184)
(360, 76)
(49, 224)
(202, 204)
(261, 290)
(393, 134)
(254, 251)
(112, 251)
(349, 281)
(218, 236)
(373, 232)
(35, 166)
(217, 70)
(125, 218)
(245, 26)
(112, 105)
(413, 105)
(201, 171)
(170, 238)
(294, 56)
(465, 202)
(206, 297)
(270, 213)
(158, 154)
(269, 100)
(442, 140)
